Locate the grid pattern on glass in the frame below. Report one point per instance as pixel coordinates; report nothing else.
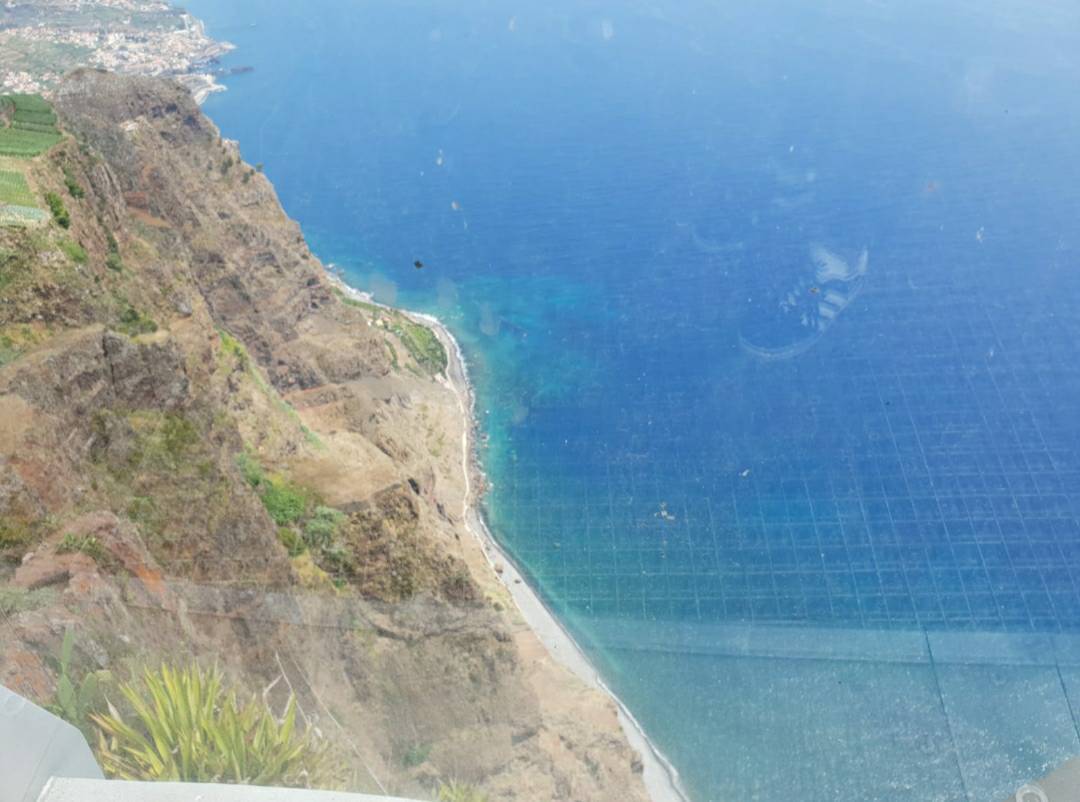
(917, 469)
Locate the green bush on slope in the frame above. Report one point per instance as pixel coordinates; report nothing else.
(59, 211)
(112, 259)
(74, 251)
(286, 502)
(454, 791)
(87, 544)
(74, 188)
(320, 530)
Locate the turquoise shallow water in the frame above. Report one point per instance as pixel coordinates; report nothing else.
(772, 312)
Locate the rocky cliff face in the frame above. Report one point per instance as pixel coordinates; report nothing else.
(205, 449)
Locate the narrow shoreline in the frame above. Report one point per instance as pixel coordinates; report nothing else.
(201, 85)
(660, 777)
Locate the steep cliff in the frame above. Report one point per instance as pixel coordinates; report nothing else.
(207, 450)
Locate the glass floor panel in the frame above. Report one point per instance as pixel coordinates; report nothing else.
(891, 715)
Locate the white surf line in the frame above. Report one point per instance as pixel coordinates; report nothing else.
(661, 778)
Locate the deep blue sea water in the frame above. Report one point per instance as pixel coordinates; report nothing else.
(773, 309)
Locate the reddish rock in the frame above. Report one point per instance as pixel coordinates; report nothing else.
(49, 568)
(24, 672)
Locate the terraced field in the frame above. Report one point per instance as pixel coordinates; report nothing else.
(32, 129)
(22, 216)
(14, 191)
(18, 204)
(27, 129)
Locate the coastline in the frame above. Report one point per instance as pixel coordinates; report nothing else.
(201, 85)
(660, 777)
(44, 43)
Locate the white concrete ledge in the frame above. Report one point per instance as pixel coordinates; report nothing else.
(69, 789)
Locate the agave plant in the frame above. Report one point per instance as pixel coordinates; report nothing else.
(76, 698)
(187, 727)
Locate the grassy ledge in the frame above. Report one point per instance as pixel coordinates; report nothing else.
(420, 341)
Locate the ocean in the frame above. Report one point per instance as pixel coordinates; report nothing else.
(772, 312)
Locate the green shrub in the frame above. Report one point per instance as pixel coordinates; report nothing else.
(112, 259)
(250, 469)
(285, 502)
(234, 348)
(133, 322)
(186, 727)
(293, 543)
(163, 442)
(59, 211)
(177, 435)
(323, 525)
(73, 187)
(415, 755)
(74, 251)
(86, 544)
(454, 791)
(145, 513)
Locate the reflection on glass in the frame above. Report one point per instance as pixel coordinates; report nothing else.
(739, 385)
